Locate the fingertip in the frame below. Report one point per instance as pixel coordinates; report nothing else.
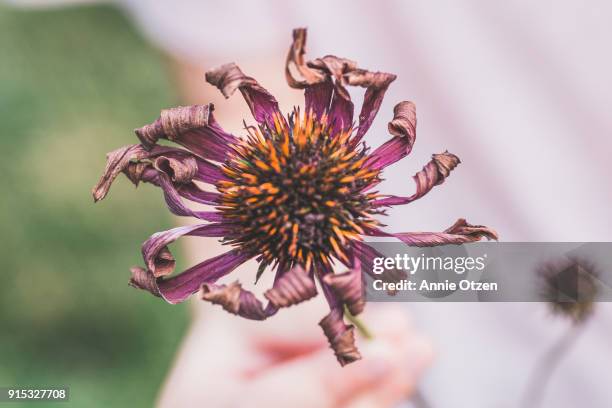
(387, 320)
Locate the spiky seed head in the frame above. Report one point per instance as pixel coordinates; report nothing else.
(296, 192)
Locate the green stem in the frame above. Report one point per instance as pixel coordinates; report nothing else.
(361, 327)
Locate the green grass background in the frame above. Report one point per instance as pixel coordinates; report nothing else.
(73, 84)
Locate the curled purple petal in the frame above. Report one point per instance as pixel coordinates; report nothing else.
(296, 64)
(403, 129)
(142, 279)
(376, 84)
(178, 165)
(228, 296)
(193, 127)
(179, 171)
(317, 75)
(341, 337)
(341, 108)
(349, 288)
(322, 94)
(228, 78)
(290, 288)
(116, 162)
(404, 122)
(172, 196)
(178, 288)
(236, 300)
(193, 193)
(155, 252)
(317, 97)
(459, 233)
(208, 172)
(433, 174)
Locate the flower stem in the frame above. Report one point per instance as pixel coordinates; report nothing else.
(361, 327)
(546, 366)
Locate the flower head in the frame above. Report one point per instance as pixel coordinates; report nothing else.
(296, 192)
(570, 287)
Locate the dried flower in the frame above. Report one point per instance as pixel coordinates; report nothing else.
(569, 286)
(295, 193)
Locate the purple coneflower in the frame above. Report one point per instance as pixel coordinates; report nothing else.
(295, 194)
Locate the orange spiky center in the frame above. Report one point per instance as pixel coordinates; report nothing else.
(296, 192)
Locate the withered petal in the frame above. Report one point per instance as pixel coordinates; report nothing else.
(376, 84)
(142, 279)
(194, 193)
(349, 288)
(179, 171)
(295, 62)
(156, 255)
(116, 162)
(341, 337)
(433, 174)
(325, 79)
(317, 97)
(228, 296)
(292, 287)
(180, 167)
(403, 129)
(193, 127)
(172, 196)
(459, 233)
(236, 300)
(178, 288)
(228, 78)
(404, 121)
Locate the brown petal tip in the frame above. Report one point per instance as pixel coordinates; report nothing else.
(116, 161)
(349, 288)
(228, 78)
(477, 232)
(164, 263)
(404, 121)
(293, 287)
(341, 338)
(173, 122)
(445, 162)
(297, 73)
(143, 279)
(180, 171)
(227, 296)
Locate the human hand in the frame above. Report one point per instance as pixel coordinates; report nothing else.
(230, 362)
